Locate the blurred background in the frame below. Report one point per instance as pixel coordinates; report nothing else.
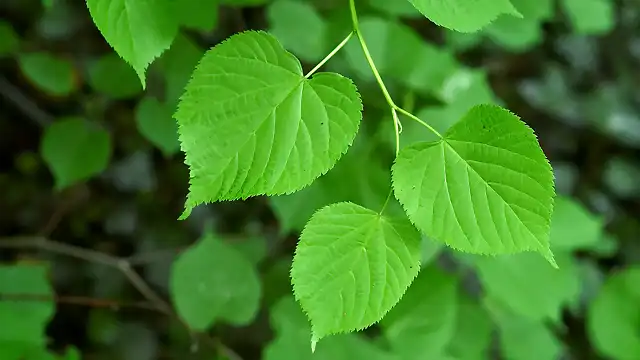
(92, 182)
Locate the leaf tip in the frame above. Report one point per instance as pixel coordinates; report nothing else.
(548, 255)
(186, 213)
(143, 80)
(314, 342)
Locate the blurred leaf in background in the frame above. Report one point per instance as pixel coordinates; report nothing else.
(75, 150)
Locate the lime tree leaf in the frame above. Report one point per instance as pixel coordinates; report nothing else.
(75, 150)
(24, 322)
(9, 40)
(464, 15)
(292, 339)
(515, 34)
(395, 8)
(139, 31)
(24, 351)
(156, 124)
(52, 74)
(288, 17)
(212, 280)
(485, 188)
(111, 76)
(198, 14)
(254, 249)
(351, 266)
(529, 286)
(473, 332)
(535, 9)
(522, 338)
(270, 130)
(573, 227)
(614, 316)
(590, 17)
(430, 250)
(424, 321)
(247, 3)
(177, 64)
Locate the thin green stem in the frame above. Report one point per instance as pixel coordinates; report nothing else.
(386, 202)
(413, 117)
(396, 126)
(331, 54)
(367, 54)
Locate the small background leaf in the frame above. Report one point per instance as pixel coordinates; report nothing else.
(155, 123)
(52, 74)
(28, 320)
(212, 280)
(75, 150)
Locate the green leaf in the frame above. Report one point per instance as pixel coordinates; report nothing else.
(473, 332)
(212, 280)
(351, 266)
(9, 40)
(590, 17)
(522, 338)
(573, 227)
(156, 124)
(177, 64)
(111, 76)
(24, 322)
(464, 15)
(529, 286)
(248, 3)
(200, 15)
(253, 249)
(287, 19)
(620, 176)
(52, 74)
(515, 34)
(292, 339)
(75, 150)
(395, 8)
(139, 31)
(424, 321)
(614, 316)
(485, 188)
(535, 9)
(270, 131)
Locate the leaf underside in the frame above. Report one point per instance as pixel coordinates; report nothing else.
(464, 15)
(485, 188)
(251, 124)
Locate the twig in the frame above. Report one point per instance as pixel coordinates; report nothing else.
(76, 196)
(79, 300)
(125, 265)
(149, 257)
(39, 242)
(22, 102)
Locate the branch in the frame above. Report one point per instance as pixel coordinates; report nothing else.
(78, 300)
(124, 265)
(22, 102)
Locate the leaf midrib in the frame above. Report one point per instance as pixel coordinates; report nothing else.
(452, 149)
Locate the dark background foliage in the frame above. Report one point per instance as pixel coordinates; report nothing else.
(578, 91)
